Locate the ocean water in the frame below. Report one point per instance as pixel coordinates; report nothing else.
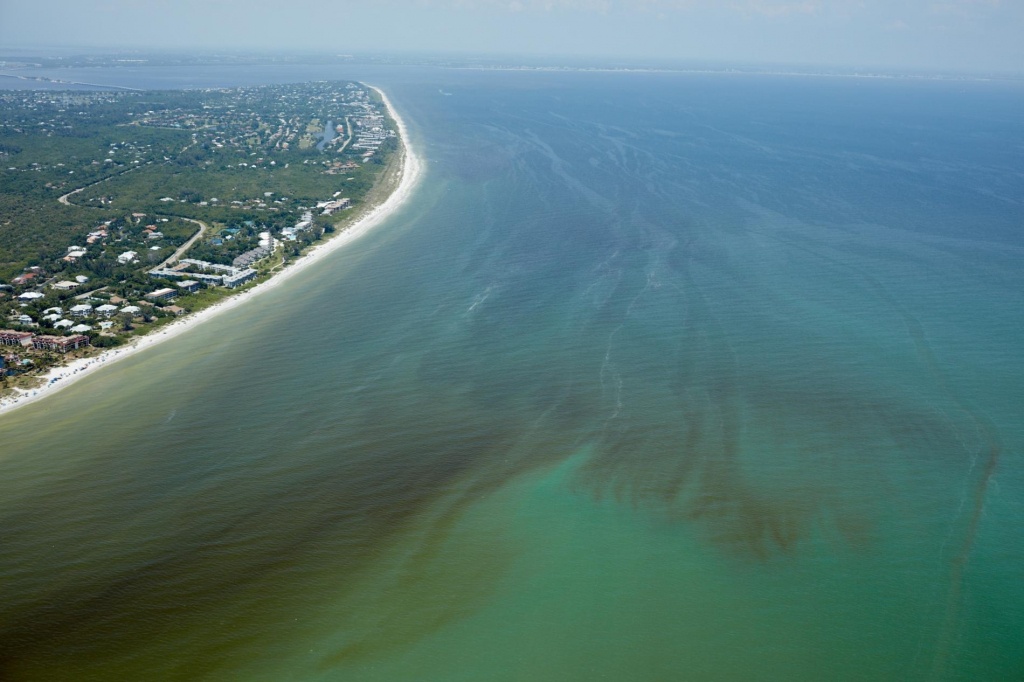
(656, 377)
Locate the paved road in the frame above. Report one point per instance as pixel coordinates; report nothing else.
(64, 199)
(185, 247)
(174, 256)
(348, 131)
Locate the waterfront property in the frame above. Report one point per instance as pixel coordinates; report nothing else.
(165, 294)
(253, 255)
(239, 278)
(199, 270)
(9, 337)
(61, 344)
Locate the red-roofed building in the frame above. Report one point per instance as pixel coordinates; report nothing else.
(22, 279)
(61, 344)
(13, 338)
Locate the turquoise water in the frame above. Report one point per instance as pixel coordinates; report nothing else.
(657, 377)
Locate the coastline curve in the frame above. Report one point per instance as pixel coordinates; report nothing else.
(410, 171)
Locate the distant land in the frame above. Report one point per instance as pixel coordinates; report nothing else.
(31, 64)
(123, 211)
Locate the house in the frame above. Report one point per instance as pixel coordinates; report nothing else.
(64, 285)
(79, 328)
(131, 309)
(127, 257)
(60, 344)
(106, 310)
(9, 337)
(175, 310)
(30, 296)
(55, 309)
(63, 324)
(81, 310)
(23, 279)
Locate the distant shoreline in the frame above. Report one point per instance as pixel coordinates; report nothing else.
(61, 82)
(410, 171)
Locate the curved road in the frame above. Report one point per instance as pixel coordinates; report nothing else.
(185, 247)
(64, 199)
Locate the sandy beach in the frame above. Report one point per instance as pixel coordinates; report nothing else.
(61, 377)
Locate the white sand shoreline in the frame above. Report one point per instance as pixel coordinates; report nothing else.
(62, 377)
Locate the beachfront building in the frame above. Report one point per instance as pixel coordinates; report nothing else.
(330, 207)
(253, 255)
(240, 278)
(131, 309)
(205, 265)
(61, 344)
(304, 224)
(9, 337)
(165, 294)
(189, 285)
(176, 272)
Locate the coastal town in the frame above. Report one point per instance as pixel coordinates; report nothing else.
(122, 212)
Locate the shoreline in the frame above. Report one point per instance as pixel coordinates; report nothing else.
(410, 171)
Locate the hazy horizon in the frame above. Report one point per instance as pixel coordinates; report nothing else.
(954, 35)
